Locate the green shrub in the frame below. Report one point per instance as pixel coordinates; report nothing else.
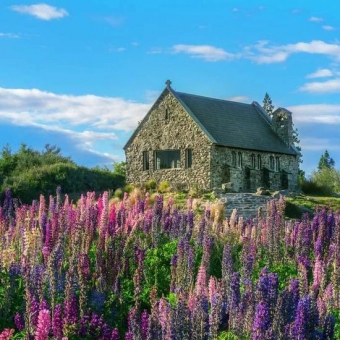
(151, 184)
(164, 186)
(310, 187)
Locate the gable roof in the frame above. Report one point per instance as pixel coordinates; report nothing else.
(230, 124)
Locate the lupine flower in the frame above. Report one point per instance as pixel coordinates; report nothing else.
(6, 334)
(44, 324)
(261, 322)
(57, 322)
(19, 322)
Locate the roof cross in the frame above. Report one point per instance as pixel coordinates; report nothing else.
(168, 83)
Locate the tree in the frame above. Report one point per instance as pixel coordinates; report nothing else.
(326, 162)
(267, 104)
(119, 168)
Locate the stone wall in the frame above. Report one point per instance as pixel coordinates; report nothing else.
(246, 177)
(169, 127)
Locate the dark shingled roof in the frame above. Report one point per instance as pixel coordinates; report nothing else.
(234, 124)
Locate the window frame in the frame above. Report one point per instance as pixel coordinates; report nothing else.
(146, 161)
(166, 159)
(188, 158)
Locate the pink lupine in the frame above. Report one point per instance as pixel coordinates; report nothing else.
(6, 334)
(44, 325)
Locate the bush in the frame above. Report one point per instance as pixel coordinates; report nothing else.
(151, 184)
(164, 186)
(310, 187)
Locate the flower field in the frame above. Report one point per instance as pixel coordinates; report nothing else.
(133, 269)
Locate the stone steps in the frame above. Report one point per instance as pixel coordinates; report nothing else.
(246, 204)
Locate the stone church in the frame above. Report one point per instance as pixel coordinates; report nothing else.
(192, 140)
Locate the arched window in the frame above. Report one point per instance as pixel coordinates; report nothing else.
(271, 163)
(277, 164)
(253, 161)
(239, 160)
(259, 165)
(233, 158)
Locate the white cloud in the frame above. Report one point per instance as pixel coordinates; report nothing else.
(240, 99)
(318, 144)
(28, 106)
(206, 52)
(328, 28)
(41, 11)
(9, 35)
(315, 19)
(316, 113)
(332, 85)
(320, 73)
(263, 53)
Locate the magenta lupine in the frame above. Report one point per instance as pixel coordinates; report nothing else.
(6, 334)
(144, 325)
(19, 322)
(201, 282)
(164, 318)
(115, 334)
(318, 274)
(34, 312)
(57, 322)
(44, 325)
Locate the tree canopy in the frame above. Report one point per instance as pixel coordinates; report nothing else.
(326, 161)
(267, 104)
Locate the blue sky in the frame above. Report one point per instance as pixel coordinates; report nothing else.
(81, 74)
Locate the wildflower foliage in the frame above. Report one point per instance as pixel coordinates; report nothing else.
(130, 269)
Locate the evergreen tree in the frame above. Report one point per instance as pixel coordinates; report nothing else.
(267, 104)
(326, 162)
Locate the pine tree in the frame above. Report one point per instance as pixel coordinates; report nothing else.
(267, 104)
(326, 161)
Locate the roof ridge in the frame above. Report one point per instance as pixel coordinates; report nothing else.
(212, 98)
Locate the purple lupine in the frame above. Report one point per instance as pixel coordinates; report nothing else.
(144, 324)
(57, 322)
(305, 320)
(328, 327)
(115, 334)
(200, 318)
(234, 294)
(128, 336)
(34, 312)
(201, 231)
(262, 286)
(70, 309)
(44, 324)
(261, 322)
(19, 322)
(273, 289)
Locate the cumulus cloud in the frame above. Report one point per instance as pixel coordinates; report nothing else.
(85, 120)
(41, 11)
(320, 73)
(316, 113)
(332, 85)
(206, 52)
(263, 53)
(315, 19)
(40, 107)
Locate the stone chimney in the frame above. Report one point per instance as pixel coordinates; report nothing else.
(283, 125)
